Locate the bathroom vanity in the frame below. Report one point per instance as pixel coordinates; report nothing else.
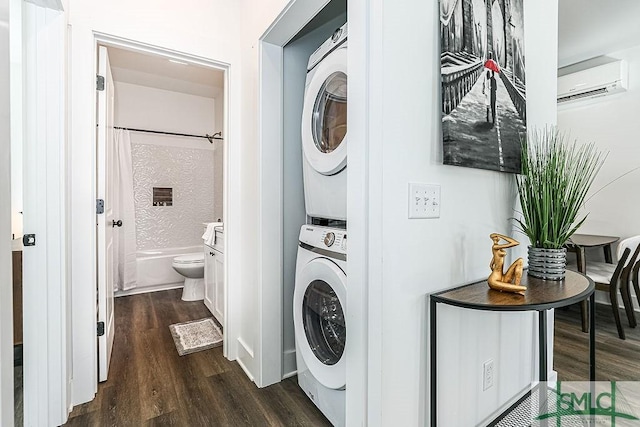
(214, 276)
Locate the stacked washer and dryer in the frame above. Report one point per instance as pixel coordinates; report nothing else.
(320, 292)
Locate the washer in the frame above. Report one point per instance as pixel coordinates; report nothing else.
(324, 130)
(319, 303)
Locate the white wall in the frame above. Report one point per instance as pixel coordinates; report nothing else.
(185, 164)
(611, 123)
(6, 310)
(293, 193)
(198, 28)
(408, 259)
(150, 108)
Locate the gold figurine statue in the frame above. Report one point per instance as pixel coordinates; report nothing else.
(509, 281)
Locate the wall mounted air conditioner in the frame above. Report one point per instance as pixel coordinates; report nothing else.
(598, 80)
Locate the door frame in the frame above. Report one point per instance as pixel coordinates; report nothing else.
(285, 27)
(81, 212)
(6, 302)
(363, 272)
(231, 323)
(271, 191)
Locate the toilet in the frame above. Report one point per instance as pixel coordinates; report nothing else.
(191, 266)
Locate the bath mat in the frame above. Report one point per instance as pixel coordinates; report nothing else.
(196, 335)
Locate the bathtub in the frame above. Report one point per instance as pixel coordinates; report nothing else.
(155, 272)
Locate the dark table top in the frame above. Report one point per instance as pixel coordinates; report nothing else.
(540, 294)
(591, 240)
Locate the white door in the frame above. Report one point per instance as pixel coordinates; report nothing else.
(218, 299)
(105, 221)
(6, 338)
(324, 115)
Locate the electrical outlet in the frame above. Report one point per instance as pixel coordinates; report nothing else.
(488, 374)
(424, 200)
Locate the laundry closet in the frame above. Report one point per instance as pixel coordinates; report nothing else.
(314, 209)
(161, 182)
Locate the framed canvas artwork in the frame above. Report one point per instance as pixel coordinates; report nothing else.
(483, 83)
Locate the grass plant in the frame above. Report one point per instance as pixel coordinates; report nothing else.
(556, 176)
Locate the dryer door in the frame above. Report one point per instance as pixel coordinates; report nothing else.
(319, 317)
(324, 115)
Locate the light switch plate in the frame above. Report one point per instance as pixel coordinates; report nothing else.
(424, 200)
(488, 373)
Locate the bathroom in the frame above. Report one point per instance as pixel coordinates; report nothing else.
(168, 177)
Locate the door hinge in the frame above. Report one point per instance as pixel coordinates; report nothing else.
(29, 240)
(100, 329)
(99, 82)
(99, 206)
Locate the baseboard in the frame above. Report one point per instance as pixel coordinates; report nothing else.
(148, 289)
(209, 305)
(508, 404)
(602, 297)
(244, 352)
(289, 365)
(245, 369)
(289, 375)
(245, 348)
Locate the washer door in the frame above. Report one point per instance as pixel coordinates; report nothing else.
(324, 115)
(319, 317)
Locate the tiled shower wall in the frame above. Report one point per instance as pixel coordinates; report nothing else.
(190, 172)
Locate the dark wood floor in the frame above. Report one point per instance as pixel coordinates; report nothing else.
(149, 384)
(616, 359)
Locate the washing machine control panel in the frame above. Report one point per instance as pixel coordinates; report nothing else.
(329, 238)
(339, 34)
(336, 240)
(332, 239)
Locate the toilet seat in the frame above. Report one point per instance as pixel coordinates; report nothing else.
(195, 258)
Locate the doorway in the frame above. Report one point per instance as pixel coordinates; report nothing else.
(160, 174)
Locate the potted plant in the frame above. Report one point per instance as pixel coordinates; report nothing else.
(556, 176)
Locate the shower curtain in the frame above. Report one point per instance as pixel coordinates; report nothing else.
(124, 244)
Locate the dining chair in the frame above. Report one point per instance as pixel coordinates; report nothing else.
(636, 283)
(628, 277)
(611, 277)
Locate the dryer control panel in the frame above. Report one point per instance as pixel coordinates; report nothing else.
(338, 37)
(331, 239)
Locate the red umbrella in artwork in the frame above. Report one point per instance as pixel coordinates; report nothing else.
(492, 65)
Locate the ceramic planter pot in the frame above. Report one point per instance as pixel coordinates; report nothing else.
(548, 264)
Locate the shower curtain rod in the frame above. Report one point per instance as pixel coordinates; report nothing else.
(216, 136)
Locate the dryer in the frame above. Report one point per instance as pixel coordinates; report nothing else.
(324, 130)
(319, 304)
